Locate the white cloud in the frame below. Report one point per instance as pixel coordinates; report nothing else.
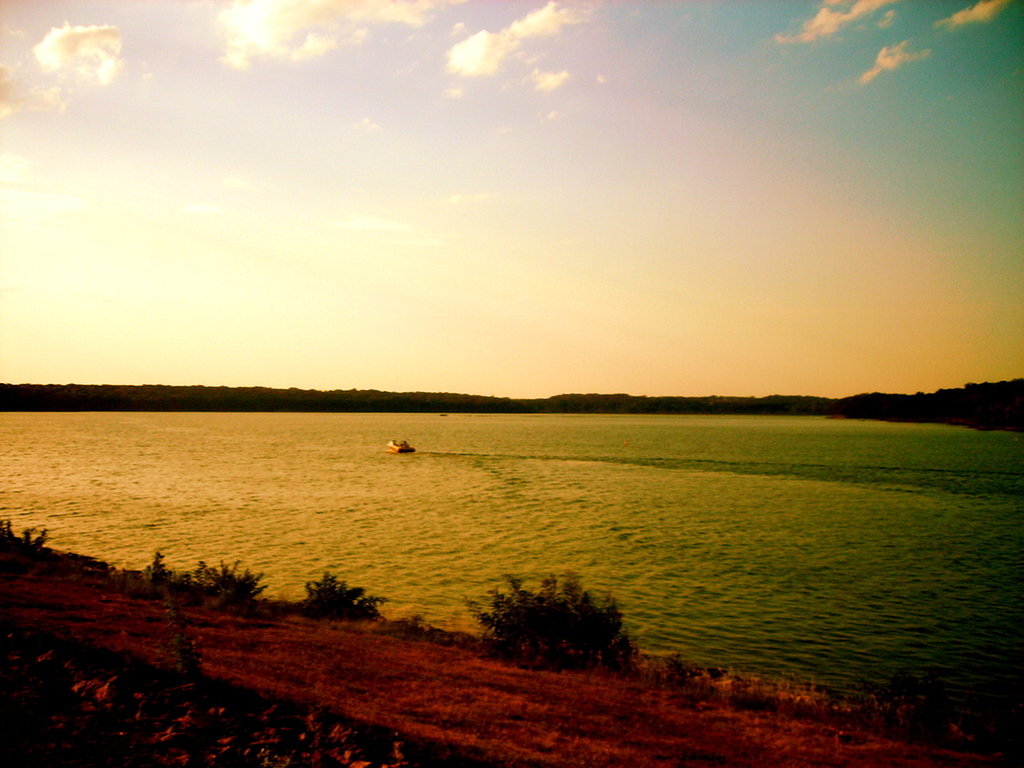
(983, 11)
(548, 81)
(367, 125)
(887, 19)
(454, 93)
(92, 53)
(14, 169)
(314, 46)
(828, 20)
(548, 20)
(889, 58)
(485, 52)
(201, 209)
(303, 29)
(481, 54)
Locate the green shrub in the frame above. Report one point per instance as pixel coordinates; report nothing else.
(227, 583)
(561, 624)
(31, 542)
(156, 572)
(330, 598)
(223, 585)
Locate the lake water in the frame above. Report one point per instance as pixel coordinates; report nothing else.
(801, 547)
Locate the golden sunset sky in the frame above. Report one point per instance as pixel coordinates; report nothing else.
(513, 198)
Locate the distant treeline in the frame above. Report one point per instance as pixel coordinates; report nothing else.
(154, 397)
(89, 397)
(774, 404)
(994, 405)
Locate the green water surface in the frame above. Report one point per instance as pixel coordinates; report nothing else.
(803, 547)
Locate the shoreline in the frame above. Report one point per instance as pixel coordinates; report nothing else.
(989, 405)
(949, 422)
(77, 598)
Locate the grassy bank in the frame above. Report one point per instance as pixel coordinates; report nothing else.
(151, 654)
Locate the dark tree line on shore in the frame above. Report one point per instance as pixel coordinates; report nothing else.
(994, 405)
(155, 397)
(592, 403)
(999, 404)
(102, 397)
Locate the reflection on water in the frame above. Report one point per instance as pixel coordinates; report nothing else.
(796, 546)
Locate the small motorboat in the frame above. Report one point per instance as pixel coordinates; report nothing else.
(400, 446)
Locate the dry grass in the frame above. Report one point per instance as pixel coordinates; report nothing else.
(458, 704)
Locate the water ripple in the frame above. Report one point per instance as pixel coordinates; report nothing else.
(827, 550)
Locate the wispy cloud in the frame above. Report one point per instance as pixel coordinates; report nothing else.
(12, 101)
(548, 20)
(7, 31)
(366, 125)
(317, 45)
(14, 169)
(887, 19)
(485, 52)
(426, 240)
(832, 16)
(386, 231)
(889, 58)
(460, 199)
(201, 209)
(295, 30)
(358, 223)
(980, 12)
(8, 102)
(548, 81)
(236, 182)
(22, 205)
(92, 53)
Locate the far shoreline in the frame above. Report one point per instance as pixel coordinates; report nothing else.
(987, 406)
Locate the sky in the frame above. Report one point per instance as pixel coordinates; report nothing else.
(518, 199)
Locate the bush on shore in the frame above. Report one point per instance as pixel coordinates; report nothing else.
(31, 541)
(330, 598)
(236, 587)
(230, 584)
(226, 585)
(560, 625)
